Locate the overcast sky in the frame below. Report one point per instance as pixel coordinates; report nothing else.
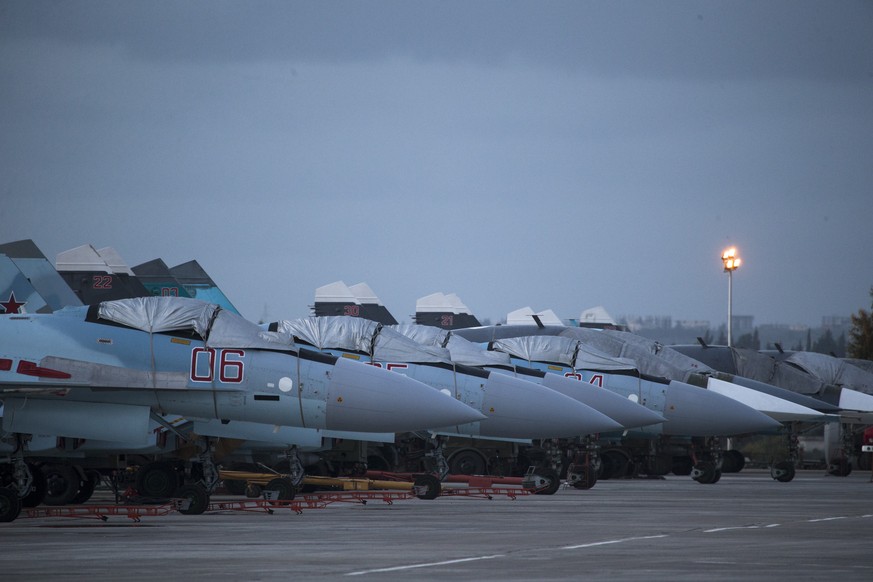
(554, 155)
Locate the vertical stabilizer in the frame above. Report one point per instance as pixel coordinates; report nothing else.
(371, 307)
(156, 277)
(444, 311)
(45, 282)
(200, 285)
(92, 279)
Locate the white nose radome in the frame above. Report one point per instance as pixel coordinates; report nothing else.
(370, 399)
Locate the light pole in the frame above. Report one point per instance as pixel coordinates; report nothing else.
(731, 263)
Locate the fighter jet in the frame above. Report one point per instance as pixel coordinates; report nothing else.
(337, 451)
(449, 310)
(810, 390)
(514, 407)
(852, 387)
(691, 412)
(577, 457)
(787, 406)
(124, 361)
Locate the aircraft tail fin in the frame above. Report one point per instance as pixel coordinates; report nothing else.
(17, 295)
(36, 279)
(92, 279)
(359, 300)
(155, 276)
(445, 311)
(200, 285)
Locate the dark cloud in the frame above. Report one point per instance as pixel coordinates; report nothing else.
(696, 39)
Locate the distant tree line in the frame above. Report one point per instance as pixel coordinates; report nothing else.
(861, 335)
(859, 344)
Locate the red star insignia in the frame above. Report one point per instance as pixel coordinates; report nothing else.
(11, 305)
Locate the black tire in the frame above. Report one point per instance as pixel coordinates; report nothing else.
(429, 485)
(553, 479)
(783, 471)
(659, 465)
(840, 468)
(38, 488)
(706, 473)
(10, 505)
(62, 484)
(588, 476)
(197, 497)
(733, 461)
(158, 479)
(467, 462)
(283, 486)
(86, 487)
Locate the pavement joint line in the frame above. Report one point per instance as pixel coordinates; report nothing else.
(720, 529)
(493, 556)
(426, 565)
(619, 541)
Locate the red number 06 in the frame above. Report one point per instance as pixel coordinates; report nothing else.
(229, 370)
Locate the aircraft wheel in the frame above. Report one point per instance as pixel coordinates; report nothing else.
(840, 468)
(553, 479)
(10, 505)
(429, 486)
(158, 479)
(253, 490)
(62, 484)
(615, 463)
(37, 490)
(467, 462)
(196, 496)
(733, 461)
(783, 471)
(658, 465)
(706, 473)
(583, 477)
(86, 487)
(283, 487)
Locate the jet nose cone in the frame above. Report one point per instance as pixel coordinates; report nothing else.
(627, 413)
(520, 409)
(369, 399)
(693, 411)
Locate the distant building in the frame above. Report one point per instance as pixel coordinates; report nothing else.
(664, 329)
(742, 324)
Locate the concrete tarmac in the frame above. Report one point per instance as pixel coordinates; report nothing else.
(747, 526)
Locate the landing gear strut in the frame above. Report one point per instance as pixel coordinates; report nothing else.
(784, 471)
(582, 470)
(24, 479)
(707, 466)
(842, 465)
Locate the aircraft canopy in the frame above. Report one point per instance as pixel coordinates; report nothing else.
(361, 335)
